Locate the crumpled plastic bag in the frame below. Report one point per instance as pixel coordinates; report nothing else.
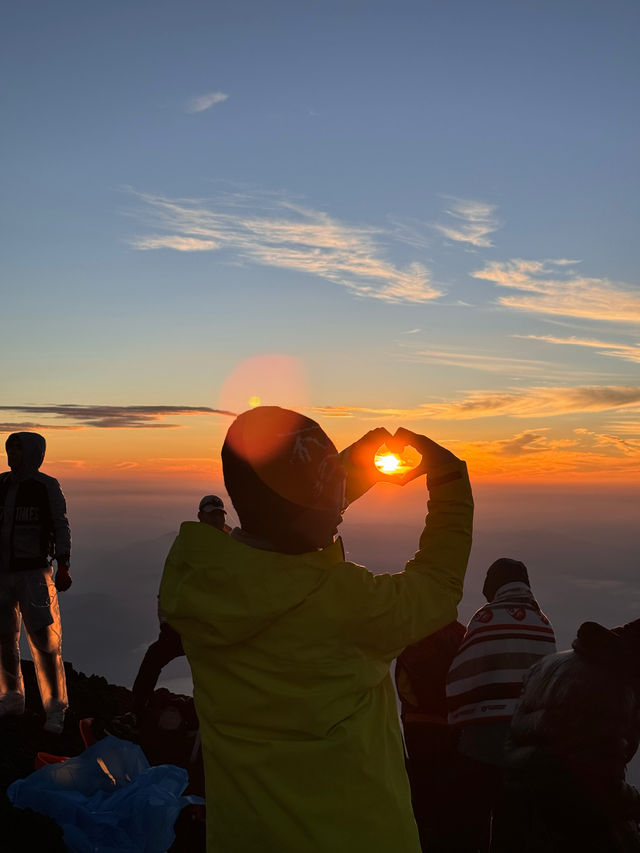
(108, 799)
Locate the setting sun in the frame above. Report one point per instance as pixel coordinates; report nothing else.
(388, 463)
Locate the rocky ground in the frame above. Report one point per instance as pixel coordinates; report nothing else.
(21, 738)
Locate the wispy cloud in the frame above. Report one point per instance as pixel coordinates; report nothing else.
(536, 453)
(476, 360)
(107, 417)
(180, 244)
(413, 232)
(536, 402)
(626, 426)
(530, 441)
(200, 103)
(469, 222)
(30, 426)
(274, 231)
(184, 464)
(532, 402)
(628, 352)
(629, 445)
(551, 287)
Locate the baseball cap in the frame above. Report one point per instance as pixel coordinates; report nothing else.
(209, 503)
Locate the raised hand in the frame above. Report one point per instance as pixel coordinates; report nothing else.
(358, 462)
(432, 454)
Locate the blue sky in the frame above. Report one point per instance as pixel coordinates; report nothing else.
(430, 207)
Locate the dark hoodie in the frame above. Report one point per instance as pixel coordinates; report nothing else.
(576, 727)
(33, 513)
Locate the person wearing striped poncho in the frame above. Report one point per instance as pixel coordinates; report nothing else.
(503, 639)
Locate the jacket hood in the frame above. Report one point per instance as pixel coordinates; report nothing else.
(236, 591)
(33, 449)
(515, 590)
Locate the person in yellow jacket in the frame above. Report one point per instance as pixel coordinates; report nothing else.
(290, 645)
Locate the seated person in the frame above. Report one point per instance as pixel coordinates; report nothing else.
(574, 730)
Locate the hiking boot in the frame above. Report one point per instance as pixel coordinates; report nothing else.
(12, 705)
(55, 722)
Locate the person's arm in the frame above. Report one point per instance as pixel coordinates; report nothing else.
(166, 648)
(61, 533)
(393, 610)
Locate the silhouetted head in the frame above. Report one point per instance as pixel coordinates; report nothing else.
(25, 451)
(211, 511)
(616, 649)
(505, 570)
(284, 478)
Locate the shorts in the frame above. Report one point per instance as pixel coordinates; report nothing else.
(31, 594)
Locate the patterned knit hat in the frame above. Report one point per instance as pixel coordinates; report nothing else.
(290, 454)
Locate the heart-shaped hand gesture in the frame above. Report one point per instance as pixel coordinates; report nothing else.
(359, 459)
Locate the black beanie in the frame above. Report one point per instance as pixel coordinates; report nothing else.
(505, 570)
(278, 464)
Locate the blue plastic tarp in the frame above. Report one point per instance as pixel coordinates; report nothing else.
(108, 799)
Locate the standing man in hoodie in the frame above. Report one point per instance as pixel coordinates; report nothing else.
(33, 528)
(290, 644)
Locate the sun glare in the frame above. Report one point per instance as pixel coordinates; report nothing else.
(253, 402)
(388, 463)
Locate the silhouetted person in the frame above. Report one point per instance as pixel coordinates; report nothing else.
(211, 511)
(290, 645)
(573, 732)
(33, 528)
(168, 646)
(504, 638)
(421, 674)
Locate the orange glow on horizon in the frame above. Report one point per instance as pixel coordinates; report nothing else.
(186, 447)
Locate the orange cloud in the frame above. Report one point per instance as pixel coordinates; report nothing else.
(532, 402)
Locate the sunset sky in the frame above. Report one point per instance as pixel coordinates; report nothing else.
(383, 213)
(418, 213)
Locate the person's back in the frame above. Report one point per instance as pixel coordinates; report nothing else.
(574, 730)
(503, 639)
(168, 646)
(290, 652)
(420, 675)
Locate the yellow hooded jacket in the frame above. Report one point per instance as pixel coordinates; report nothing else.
(290, 658)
